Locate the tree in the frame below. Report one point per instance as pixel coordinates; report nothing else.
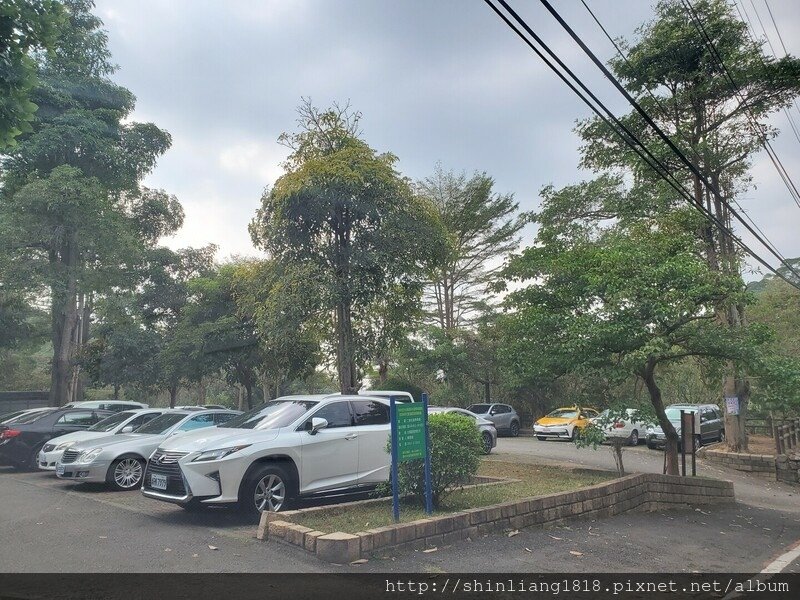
(619, 300)
(73, 216)
(342, 209)
(26, 26)
(718, 126)
(481, 229)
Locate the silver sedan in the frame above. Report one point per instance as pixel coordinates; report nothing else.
(487, 428)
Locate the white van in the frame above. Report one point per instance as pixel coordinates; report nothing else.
(113, 405)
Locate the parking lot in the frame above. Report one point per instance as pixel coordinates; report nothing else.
(49, 525)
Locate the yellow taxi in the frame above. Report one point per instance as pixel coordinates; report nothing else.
(563, 423)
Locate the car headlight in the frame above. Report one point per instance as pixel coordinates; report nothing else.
(65, 445)
(219, 453)
(89, 455)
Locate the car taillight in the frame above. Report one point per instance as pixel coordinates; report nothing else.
(619, 424)
(9, 433)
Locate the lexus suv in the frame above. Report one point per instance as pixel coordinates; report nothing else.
(266, 458)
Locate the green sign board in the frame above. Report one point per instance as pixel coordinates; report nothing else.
(410, 431)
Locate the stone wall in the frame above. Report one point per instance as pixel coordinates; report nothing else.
(646, 491)
(762, 465)
(787, 468)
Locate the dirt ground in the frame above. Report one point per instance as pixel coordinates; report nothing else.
(761, 444)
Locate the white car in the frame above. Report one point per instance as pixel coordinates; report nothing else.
(629, 428)
(120, 460)
(113, 405)
(121, 422)
(264, 459)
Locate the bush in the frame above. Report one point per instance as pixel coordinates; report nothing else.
(456, 451)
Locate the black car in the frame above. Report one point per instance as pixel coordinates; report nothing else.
(21, 440)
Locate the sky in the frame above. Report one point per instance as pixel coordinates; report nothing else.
(436, 81)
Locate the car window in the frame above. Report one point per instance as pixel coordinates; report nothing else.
(567, 413)
(337, 414)
(197, 422)
(111, 422)
(161, 423)
(464, 413)
(31, 417)
(77, 418)
(220, 418)
(589, 413)
(478, 408)
(271, 415)
(370, 412)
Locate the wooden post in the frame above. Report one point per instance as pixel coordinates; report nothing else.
(776, 435)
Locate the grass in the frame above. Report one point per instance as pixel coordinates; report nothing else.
(534, 480)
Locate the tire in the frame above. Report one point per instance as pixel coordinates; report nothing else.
(513, 430)
(634, 439)
(487, 442)
(268, 487)
(651, 446)
(32, 463)
(125, 474)
(541, 438)
(574, 435)
(698, 442)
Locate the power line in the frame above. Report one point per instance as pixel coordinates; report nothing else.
(780, 38)
(620, 130)
(664, 111)
(776, 161)
(681, 156)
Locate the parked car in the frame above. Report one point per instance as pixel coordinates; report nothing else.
(266, 458)
(709, 425)
(563, 423)
(505, 418)
(122, 422)
(630, 428)
(21, 441)
(13, 416)
(119, 460)
(112, 405)
(403, 397)
(487, 428)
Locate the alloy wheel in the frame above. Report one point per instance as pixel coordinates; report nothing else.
(128, 473)
(270, 493)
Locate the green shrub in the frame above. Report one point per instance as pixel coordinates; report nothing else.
(456, 451)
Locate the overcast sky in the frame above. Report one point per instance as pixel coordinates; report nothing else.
(436, 80)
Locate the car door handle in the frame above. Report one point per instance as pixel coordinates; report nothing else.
(351, 436)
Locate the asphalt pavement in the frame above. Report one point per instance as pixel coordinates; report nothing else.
(56, 526)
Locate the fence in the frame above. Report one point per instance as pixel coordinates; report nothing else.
(765, 426)
(787, 436)
(11, 401)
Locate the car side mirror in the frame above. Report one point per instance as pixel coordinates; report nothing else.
(126, 429)
(317, 423)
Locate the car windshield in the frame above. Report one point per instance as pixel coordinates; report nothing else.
(479, 408)
(674, 414)
(31, 417)
(271, 415)
(564, 413)
(162, 423)
(111, 422)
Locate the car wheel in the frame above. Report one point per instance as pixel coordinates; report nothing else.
(125, 473)
(514, 429)
(697, 443)
(651, 446)
(487, 442)
(267, 489)
(541, 438)
(634, 439)
(574, 435)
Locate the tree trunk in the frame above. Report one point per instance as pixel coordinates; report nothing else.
(201, 391)
(173, 395)
(616, 450)
(249, 389)
(671, 446)
(64, 315)
(383, 370)
(240, 405)
(116, 391)
(345, 358)
(487, 392)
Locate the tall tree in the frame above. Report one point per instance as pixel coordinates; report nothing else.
(717, 125)
(74, 217)
(343, 209)
(619, 300)
(481, 229)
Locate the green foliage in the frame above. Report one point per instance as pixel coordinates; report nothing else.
(399, 384)
(456, 450)
(25, 26)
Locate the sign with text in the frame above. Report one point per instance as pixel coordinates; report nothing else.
(410, 431)
(732, 405)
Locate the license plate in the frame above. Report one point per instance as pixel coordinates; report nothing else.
(59, 469)
(158, 482)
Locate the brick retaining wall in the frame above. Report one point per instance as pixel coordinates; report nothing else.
(762, 465)
(647, 491)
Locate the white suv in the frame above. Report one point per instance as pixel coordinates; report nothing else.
(266, 458)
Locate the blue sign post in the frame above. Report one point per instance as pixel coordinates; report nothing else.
(410, 441)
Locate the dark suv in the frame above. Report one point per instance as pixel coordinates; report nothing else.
(709, 424)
